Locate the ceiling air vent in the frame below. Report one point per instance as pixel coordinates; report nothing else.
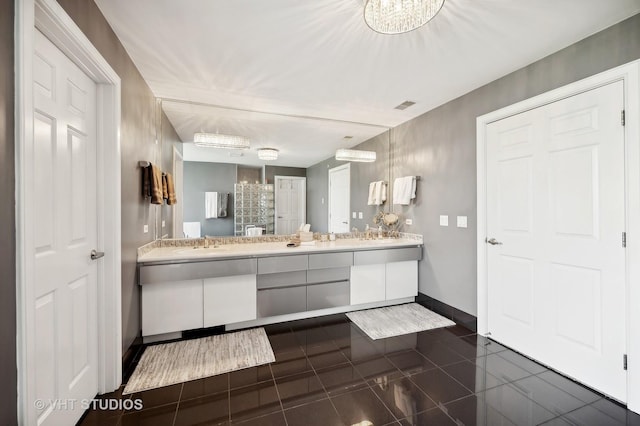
(405, 105)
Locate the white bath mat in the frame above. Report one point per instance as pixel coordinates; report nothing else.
(171, 363)
(397, 320)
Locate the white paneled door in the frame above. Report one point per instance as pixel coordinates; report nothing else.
(339, 198)
(555, 223)
(291, 203)
(65, 293)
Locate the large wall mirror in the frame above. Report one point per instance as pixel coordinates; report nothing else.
(227, 192)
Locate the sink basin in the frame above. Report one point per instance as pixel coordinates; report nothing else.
(383, 241)
(199, 251)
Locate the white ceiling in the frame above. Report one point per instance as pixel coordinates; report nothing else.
(319, 59)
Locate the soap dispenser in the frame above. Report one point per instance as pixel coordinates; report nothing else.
(380, 232)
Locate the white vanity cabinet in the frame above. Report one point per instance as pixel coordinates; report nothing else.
(229, 299)
(401, 279)
(191, 295)
(238, 292)
(171, 306)
(367, 283)
(379, 275)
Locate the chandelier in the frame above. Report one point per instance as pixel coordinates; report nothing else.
(399, 16)
(268, 154)
(217, 140)
(356, 155)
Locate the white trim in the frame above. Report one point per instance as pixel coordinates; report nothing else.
(177, 230)
(49, 17)
(630, 74)
(275, 196)
(335, 169)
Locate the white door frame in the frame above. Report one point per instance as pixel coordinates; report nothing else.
(630, 74)
(276, 179)
(49, 17)
(335, 169)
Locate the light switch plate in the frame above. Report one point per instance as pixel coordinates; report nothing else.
(360, 216)
(462, 221)
(408, 221)
(444, 220)
(163, 223)
(353, 215)
(145, 229)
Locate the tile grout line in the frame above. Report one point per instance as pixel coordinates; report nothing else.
(175, 415)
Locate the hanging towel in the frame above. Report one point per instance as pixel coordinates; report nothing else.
(404, 190)
(152, 183)
(223, 202)
(380, 195)
(372, 191)
(191, 229)
(377, 193)
(168, 189)
(210, 205)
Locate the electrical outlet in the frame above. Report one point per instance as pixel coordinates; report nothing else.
(408, 221)
(353, 215)
(322, 200)
(163, 223)
(360, 216)
(145, 229)
(444, 220)
(462, 221)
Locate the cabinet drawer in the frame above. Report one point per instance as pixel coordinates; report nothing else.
(372, 257)
(327, 275)
(270, 265)
(282, 279)
(196, 270)
(330, 260)
(330, 295)
(280, 301)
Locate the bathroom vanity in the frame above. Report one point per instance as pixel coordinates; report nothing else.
(243, 285)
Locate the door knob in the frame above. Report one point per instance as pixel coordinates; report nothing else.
(494, 242)
(345, 222)
(96, 254)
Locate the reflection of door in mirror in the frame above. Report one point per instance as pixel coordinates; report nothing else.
(339, 198)
(178, 173)
(291, 203)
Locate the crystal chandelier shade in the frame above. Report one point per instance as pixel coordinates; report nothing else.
(399, 16)
(217, 140)
(356, 155)
(268, 154)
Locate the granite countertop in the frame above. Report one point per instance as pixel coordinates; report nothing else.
(225, 251)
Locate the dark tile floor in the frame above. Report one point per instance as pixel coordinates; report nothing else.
(327, 372)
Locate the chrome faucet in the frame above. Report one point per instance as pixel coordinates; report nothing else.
(206, 241)
(354, 232)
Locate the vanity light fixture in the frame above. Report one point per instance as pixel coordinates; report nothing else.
(356, 155)
(399, 16)
(217, 140)
(268, 154)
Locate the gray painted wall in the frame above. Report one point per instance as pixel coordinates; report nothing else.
(249, 174)
(271, 171)
(361, 175)
(441, 147)
(201, 177)
(8, 369)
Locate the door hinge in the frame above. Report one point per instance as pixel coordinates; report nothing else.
(622, 117)
(624, 361)
(624, 239)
